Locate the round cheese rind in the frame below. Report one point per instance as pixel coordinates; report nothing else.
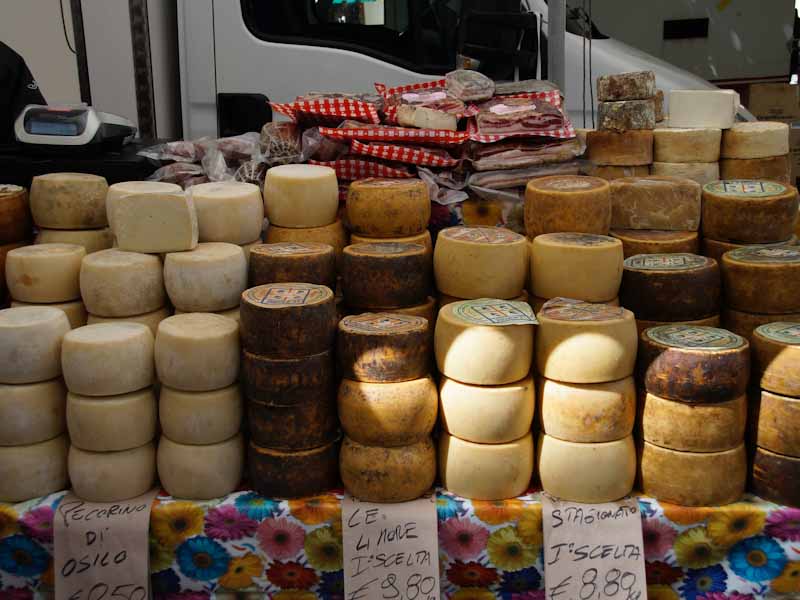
(686, 145)
(209, 278)
(108, 359)
(693, 478)
(578, 342)
(33, 470)
(334, 234)
(485, 471)
(32, 413)
(472, 350)
(115, 283)
(15, 214)
(45, 273)
(776, 357)
(197, 352)
(621, 149)
(308, 262)
(385, 275)
(699, 172)
(285, 382)
(487, 414)
(293, 473)
(648, 241)
(126, 188)
(778, 427)
(703, 108)
(112, 476)
(30, 343)
(75, 311)
(776, 477)
(774, 168)
(228, 211)
(762, 279)
(201, 472)
(377, 474)
(609, 172)
(587, 413)
(69, 201)
(716, 248)
(388, 208)
(567, 203)
(712, 321)
(588, 473)
(756, 139)
(423, 238)
(92, 240)
(112, 423)
(151, 319)
(200, 417)
(744, 323)
(583, 266)
(301, 195)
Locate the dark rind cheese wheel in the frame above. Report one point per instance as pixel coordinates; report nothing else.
(306, 262)
(384, 347)
(778, 423)
(693, 364)
(655, 241)
(762, 279)
(776, 477)
(385, 275)
(567, 203)
(622, 149)
(293, 474)
(712, 321)
(387, 208)
(309, 423)
(288, 320)
(774, 168)
(716, 248)
(748, 210)
(285, 382)
(744, 323)
(670, 287)
(15, 214)
(776, 358)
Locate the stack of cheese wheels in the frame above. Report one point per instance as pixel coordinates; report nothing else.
(671, 288)
(111, 410)
(693, 414)
(692, 153)
(586, 354)
(656, 214)
(757, 150)
(387, 405)
(776, 371)
(15, 227)
(289, 381)
(33, 444)
(201, 453)
(484, 351)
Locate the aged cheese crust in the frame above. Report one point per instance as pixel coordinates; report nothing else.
(776, 357)
(716, 248)
(115, 283)
(776, 477)
(699, 172)
(423, 238)
(654, 202)
(92, 240)
(309, 423)
(69, 201)
(293, 474)
(200, 472)
(126, 188)
(612, 148)
(626, 86)
(301, 196)
(334, 234)
(626, 114)
(651, 241)
(686, 145)
(388, 208)
(747, 273)
(151, 319)
(567, 203)
(757, 139)
(285, 382)
(778, 427)
(307, 262)
(15, 214)
(743, 323)
(775, 168)
(385, 275)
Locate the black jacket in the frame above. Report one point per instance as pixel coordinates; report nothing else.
(18, 88)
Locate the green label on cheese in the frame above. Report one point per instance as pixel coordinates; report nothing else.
(383, 323)
(489, 311)
(666, 262)
(583, 239)
(292, 248)
(386, 247)
(766, 254)
(288, 294)
(695, 336)
(567, 309)
(781, 331)
(752, 188)
(481, 235)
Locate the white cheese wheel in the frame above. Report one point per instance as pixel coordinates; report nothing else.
(201, 472)
(30, 343)
(112, 476)
(703, 108)
(209, 278)
(75, 310)
(197, 352)
(301, 195)
(757, 139)
(487, 414)
(92, 240)
(200, 417)
(32, 413)
(583, 266)
(228, 211)
(485, 471)
(108, 359)
(151, 319)
(699, 172)
(112, 423)
(139, 188)
(686, 145)
(69, 201)
(33, 470)
(115, 283)
(45, 273)
(155, 222)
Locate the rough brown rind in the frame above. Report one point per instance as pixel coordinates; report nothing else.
(612, 148)
(776, 362)
(768, 287)
(626, 86)
(776, 168)
(278, 474)
(743, 323)
(655, 202)
(776, 477)
(386, 275)
(653, 241)
(286, 382)
(778, 424)
(308, 262)
(402, 208)
(659, 100)
(15, 214)
(686, 145)
(716, 248)
(567, 203)
(307, 424)
(626, 115)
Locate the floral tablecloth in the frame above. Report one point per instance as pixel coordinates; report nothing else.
(292, 550)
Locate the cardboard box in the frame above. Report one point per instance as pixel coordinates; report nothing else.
(774, 101)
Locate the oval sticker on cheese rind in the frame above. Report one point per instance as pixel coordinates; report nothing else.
(781, 331)
(766, 254)
(752, 188)
(695, 337)
(288, 294)
(568, 309)
(666, 262)
(494, 313)
(481, 235)
(384, 323)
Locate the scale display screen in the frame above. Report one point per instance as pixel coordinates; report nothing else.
(55, 122)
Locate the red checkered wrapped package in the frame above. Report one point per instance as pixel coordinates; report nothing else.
(407, 135)
(350, 168)
(415, 155)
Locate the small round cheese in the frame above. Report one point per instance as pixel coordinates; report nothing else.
(112, 423)
(200, 417)
(423, 238)
(301, 196)
(774, 168)
(32, 413)
(112, 476)
(712, 321)
(75, 311)
(127, 188)
(201, 472)
(756, 139)
(69, 201)
(228, 211)
(308, 262)
(115, 283)
(334, 234)
(209, 278)
(776, 477)
(762, 279)
(776, 357)
(778, 426)
(30, 343)
(649, 241)
(92, 240)
(44, 273)
(388, 208)
(151, 319)
(567, 203)
(33, 470)
(686, 145)
(385, 275)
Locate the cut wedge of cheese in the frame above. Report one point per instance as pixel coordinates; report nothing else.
(112, 476)
(69, 201)
(210, 278)
(112, 423)
(703, 108)
(201, 472)
(45, 273)
(30, 343)
(388, 208)
(200, 417)
(33, 470)
(567, 203)
(301, 196)
(228, 211)
(749, 273)
(32, 413)
(127, 188)
(156, 222)
(115, 283)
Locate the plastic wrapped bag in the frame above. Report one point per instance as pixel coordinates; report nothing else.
(177, 172)
(179, 151)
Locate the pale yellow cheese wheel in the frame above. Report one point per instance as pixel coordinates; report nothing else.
(33, 470)
(112, 423)
(75, 311)
(228, 211)
(115, 283)
(69, 200)
(755, 139)
(30, 343)
(301, 195)
(92, 240)
(201, 472)
(112, 476)
(686, 145)
(32, 413)
(210, 278)
(44, 273)
(126, 188)
(151, 319)
(200, 417)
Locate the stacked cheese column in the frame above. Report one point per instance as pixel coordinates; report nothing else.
(776, 367)
(693, 414)
(33, 445)
(586, 355)
(387, 405)
(288, 374)
(111, 410)
(201, 453)
(15, 227)
(758, 150)
(689, 152)
(487, 397)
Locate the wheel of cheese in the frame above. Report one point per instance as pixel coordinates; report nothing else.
(775, 168)
(112, 476)
(4, 250)
(693, 478)
(537, 303)
(694, 364)
(699, 172)
(423, 238)
(743, 323)
(32, 413)
(308, 423)
(485, 471)
(30, 343)
(334, 234)
(427, 310)
(155, 222)
(703, 108)
(609, 173)
(108, 359)
(69, 201)
(201, 472)
(716, 248)
(578, 342)
(473, 346)
(567, 203)
(197, 352)
(45, 272)
(115, 283)
(284, 382)
(385, 275)
(762, 279)
(712, 321)
(757, 139)
(304, 313)
(583, 266)
(307, 262)
(649, 241)
(754, 212)
(776, 477)
(587, 413)
(15, 214)
(151, 319)
(779, 424)
(626, 86)
(200, 417)
(209, 278)
(444, 299)
(75, 311)
(92, 240)
(377, 474)
(228, 211)
(686, 145)
(388, 208)
(655, 202)
(293, 474)
(301, 195)
(33, 470)
(620, 149)
(626, 115)
(112, 423)
(139, 188)
(776, 357)
(588, 473)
